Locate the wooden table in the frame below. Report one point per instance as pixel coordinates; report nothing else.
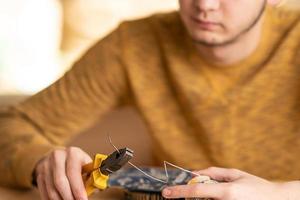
(12, 194)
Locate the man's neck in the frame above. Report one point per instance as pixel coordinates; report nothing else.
(235, 52)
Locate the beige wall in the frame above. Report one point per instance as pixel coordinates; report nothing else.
(30, 36)
(294, 3)
(88, 20)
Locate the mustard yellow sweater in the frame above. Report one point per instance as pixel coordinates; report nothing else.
(245, 116)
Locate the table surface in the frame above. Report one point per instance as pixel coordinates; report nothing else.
(11, 194)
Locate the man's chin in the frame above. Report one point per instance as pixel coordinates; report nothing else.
(211, 42)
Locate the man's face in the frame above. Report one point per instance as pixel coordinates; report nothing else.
(220, 22)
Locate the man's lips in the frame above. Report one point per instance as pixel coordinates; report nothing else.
(206, 25)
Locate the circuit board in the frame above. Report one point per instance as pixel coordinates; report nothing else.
(133, 180)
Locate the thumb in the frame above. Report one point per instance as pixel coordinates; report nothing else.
(222, 174)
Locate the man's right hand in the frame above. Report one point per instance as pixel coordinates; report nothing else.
(58, 175)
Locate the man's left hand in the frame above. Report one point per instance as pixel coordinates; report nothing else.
(235, 185)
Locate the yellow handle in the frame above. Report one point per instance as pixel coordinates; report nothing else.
(92, 177)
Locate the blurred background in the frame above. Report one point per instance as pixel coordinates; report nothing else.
(40, 39)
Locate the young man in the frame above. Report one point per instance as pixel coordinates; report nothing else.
(216, 83)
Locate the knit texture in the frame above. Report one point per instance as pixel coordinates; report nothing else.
(245, 116)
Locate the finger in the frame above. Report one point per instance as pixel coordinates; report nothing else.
(50, 187)
(215, 191)
(41, 187)
(61, 182)
(222, 174)
(73, 166)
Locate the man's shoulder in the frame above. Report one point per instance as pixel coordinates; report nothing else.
(286, 18)
(286, 24)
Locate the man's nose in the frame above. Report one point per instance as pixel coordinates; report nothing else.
(206, 5)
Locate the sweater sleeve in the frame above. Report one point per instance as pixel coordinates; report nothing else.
(95, 84)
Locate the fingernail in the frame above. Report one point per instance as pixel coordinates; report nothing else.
(166, 192)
